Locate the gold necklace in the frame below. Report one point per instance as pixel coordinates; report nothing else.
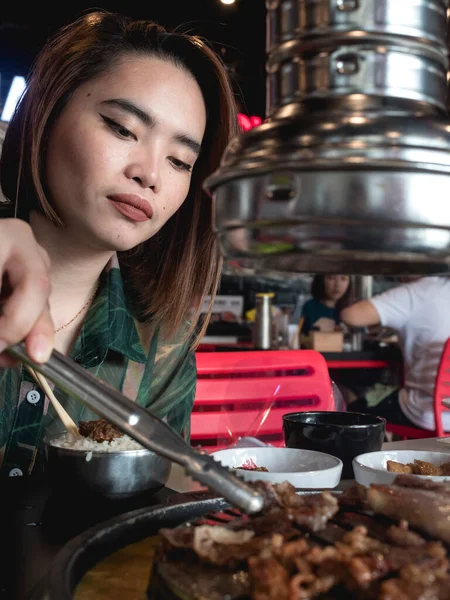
(79, 312)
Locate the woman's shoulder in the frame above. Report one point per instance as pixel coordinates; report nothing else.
(309, 304)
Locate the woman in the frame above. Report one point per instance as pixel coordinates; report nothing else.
(113, 249)
(330, 294)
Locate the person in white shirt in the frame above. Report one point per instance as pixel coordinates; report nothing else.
(420, 314)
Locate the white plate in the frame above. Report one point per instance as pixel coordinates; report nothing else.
(302, 468)
(371, 467)
(443, 440)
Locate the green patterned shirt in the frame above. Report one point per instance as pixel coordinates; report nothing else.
(159, 375)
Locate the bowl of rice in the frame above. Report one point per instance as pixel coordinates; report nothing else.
(114, 466)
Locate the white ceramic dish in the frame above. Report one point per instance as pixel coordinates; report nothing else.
(302, 468)
(443, 440)
(371, 467)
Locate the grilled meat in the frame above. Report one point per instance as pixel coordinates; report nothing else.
(418, 467)
(400, 535)
(358, 562)
(354, 497)
(414, 500)
(301, 548)
(202, 582)
(99, 430)
(426, 468)
(234, 542)
(312, 511)
(396, 467)
(425, 582)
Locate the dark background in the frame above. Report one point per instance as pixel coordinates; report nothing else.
(236, 31)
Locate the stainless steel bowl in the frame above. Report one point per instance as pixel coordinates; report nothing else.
(111, 474)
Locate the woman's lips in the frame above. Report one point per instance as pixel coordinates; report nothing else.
(132, 206)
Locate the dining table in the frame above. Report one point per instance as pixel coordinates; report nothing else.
(37, 521)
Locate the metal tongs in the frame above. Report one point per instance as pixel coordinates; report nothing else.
(143, 426)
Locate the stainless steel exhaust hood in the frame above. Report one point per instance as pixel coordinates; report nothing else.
(350, 173)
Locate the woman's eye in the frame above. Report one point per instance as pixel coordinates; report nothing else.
(180, 165)
(118, 128)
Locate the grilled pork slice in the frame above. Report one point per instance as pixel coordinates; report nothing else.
(234, 542)
(299, 569)
(414, 500)
(416, 581)
(309, 511)
(354, 497)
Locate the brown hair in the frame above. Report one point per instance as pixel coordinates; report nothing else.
(318, 291)
(168, 276)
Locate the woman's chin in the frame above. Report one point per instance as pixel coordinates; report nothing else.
(120, 242)
(123, 246)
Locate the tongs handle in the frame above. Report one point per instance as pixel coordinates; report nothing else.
(143, 426)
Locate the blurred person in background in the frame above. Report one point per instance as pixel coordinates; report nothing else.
(419, 312)
(330, 294)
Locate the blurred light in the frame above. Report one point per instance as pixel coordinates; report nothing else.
(246, 123)
(228, 1)
(15, 91)
(358, 120)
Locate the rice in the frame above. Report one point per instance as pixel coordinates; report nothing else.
(124, 442)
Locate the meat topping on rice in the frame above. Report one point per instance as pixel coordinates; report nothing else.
(99, 430)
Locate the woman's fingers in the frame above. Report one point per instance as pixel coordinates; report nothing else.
(24, 309)
(39, 342)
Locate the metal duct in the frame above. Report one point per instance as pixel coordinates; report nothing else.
(350, 172)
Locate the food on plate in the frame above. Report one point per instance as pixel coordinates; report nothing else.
(263, 469)
(418, 467)
(250, 465)
(313, 546)
(98, 436)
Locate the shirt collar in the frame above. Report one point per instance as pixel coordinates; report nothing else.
(109, 324)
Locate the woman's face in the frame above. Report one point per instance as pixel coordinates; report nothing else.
(120, 156)
(335, 286)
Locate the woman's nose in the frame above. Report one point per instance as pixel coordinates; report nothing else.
(147, 175)
(150, 180)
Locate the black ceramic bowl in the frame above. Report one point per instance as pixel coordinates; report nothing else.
(342, 434)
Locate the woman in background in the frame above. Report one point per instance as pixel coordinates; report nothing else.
(110, 248)
(330, 294)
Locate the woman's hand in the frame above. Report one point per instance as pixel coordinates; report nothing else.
(24, 292)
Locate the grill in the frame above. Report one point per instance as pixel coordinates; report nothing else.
(165, 585)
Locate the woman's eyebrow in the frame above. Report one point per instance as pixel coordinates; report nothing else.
(150, 121)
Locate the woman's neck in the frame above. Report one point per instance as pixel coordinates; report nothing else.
(329, 302)
(75, 268)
